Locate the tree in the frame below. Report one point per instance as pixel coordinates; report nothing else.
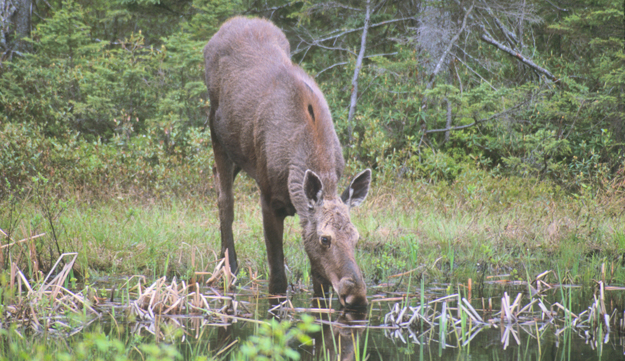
(15, 26)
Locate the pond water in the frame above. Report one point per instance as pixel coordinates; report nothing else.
(496, 321)
(541, 331)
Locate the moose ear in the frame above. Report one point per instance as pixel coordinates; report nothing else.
(358, 189)
(313, 188)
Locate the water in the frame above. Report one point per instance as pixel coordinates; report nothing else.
(532, 336)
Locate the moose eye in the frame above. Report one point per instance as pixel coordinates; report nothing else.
(325, 240)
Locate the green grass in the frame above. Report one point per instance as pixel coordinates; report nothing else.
(504, 224)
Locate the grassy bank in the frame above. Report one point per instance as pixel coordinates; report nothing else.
(478, 226)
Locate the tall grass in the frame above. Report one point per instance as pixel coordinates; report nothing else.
(451, 232)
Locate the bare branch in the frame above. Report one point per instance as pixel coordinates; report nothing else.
(336, 36)
(361, 54)
(474, 59)
(331, 5)
(445, 53)
(272, 9)
(347, 62)
(476, 73)
(477, 121)
(383, 54)
(369, 85)
(485, 37)
(510, 36)
(47, 3)
(489, 39)
(458, 76)
(331, 66)
(317, 44)
(555, 6)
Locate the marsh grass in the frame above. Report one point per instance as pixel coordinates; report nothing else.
(179, 313)
(479, 225)
(453, 317)
(493, 228)
(37, 306)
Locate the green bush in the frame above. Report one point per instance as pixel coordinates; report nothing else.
(112, 97)
(273, 340)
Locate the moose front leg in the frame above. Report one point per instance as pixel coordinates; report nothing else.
(321, 291)
(273, 225)
(321, 287)
(225, 171)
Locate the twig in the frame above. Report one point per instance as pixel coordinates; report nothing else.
(332, 66)
(297, 51)
(347, 62)
(75, 254)
(226, 348)
(555, 6)
(317, 44)
(477, 121)
(473, 58)
(510, 36)
(473, 311)
(406, 273)
(330, 5)
(21, 240)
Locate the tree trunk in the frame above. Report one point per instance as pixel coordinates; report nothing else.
(361, 54)
(448, 125)
(6, 11)
(21, 19)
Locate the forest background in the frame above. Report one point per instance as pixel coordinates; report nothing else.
(108, 96)
(105, 99)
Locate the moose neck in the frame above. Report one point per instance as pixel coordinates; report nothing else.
(327, 162)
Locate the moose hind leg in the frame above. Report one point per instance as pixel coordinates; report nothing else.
(225, 171)
(273, 225)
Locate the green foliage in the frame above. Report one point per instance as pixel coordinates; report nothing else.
(112, 96)
(144, 163)
(273, 340)
(91, 346)
(209, 15)
(89, 109)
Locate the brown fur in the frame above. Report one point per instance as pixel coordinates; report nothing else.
(269, 118)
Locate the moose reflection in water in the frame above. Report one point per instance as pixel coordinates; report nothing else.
(339, 329)
(338, 338)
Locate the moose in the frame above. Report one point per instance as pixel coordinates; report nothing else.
(269, 118)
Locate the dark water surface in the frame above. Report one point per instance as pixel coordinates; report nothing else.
(344, 334)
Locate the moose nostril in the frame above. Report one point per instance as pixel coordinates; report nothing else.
(343, 301)
(349, 300)
(352, 291)
(356, 301)
(352, 294)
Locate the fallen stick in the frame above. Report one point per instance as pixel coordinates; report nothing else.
(406, 273)
(21, 240)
